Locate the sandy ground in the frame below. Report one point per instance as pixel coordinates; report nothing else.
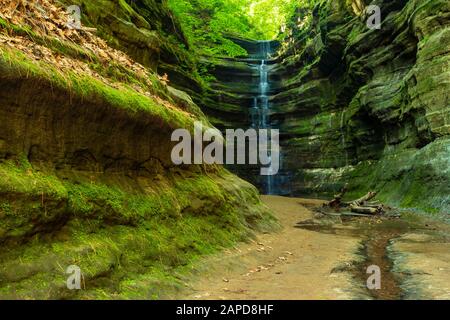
(424, 261)
(291, 264)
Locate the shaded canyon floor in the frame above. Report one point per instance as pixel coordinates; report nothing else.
(319, 257)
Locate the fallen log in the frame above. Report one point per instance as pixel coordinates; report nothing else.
(360, 202)
(88, 29)
(361, 206)
(337, 200)
(330, 213)
(377, 206)
(364, 210)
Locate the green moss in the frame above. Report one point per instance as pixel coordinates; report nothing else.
(18, 177)
(63, 47)
(409, 178)
(15, 64)
(124, 240)
(126, 237)
(5, 209)
(114, 71)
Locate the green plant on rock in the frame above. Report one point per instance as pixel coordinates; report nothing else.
(207, 23)
(123, 240)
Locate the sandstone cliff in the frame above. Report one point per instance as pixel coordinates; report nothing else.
(367, 107)
(86, 177)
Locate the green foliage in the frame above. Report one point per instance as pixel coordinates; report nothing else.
(15, 63)
(18, 178)
(270, 16)
(206, 23)
(128, 243)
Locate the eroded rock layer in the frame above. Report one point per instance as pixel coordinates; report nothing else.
(368, 107)
(86, 175)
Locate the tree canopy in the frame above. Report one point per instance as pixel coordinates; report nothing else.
(207, 22)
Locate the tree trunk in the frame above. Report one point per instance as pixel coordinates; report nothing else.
(364, 210)
(362, 200)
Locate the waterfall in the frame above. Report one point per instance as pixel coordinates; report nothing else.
(260, 111)
(261, 106)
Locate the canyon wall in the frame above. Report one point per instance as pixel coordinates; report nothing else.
(149, 33)
(86, 176)
(368, 107)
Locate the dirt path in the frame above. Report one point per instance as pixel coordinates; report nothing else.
(315, 257)
(318, 257)
(292, 264)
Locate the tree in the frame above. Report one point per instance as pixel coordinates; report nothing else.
(207, 23)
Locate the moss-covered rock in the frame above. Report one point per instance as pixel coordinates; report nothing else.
(148, 32)
(86, 176)
(123, 232)
(348, 95)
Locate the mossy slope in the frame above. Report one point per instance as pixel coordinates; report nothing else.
(128, 240)
(86, 177)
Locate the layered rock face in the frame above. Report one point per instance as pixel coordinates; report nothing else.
(240, 98)
(86, 175)
(368, 107)
(148, 32)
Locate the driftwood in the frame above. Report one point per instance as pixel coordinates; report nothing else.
(361, 206)
(364, 210)
(361, 201)
(373, 205)
(337, 200)
(346, 214)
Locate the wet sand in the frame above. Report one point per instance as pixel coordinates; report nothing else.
(290, 264)
(313, 257)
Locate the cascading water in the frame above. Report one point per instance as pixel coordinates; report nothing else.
(261, 112)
